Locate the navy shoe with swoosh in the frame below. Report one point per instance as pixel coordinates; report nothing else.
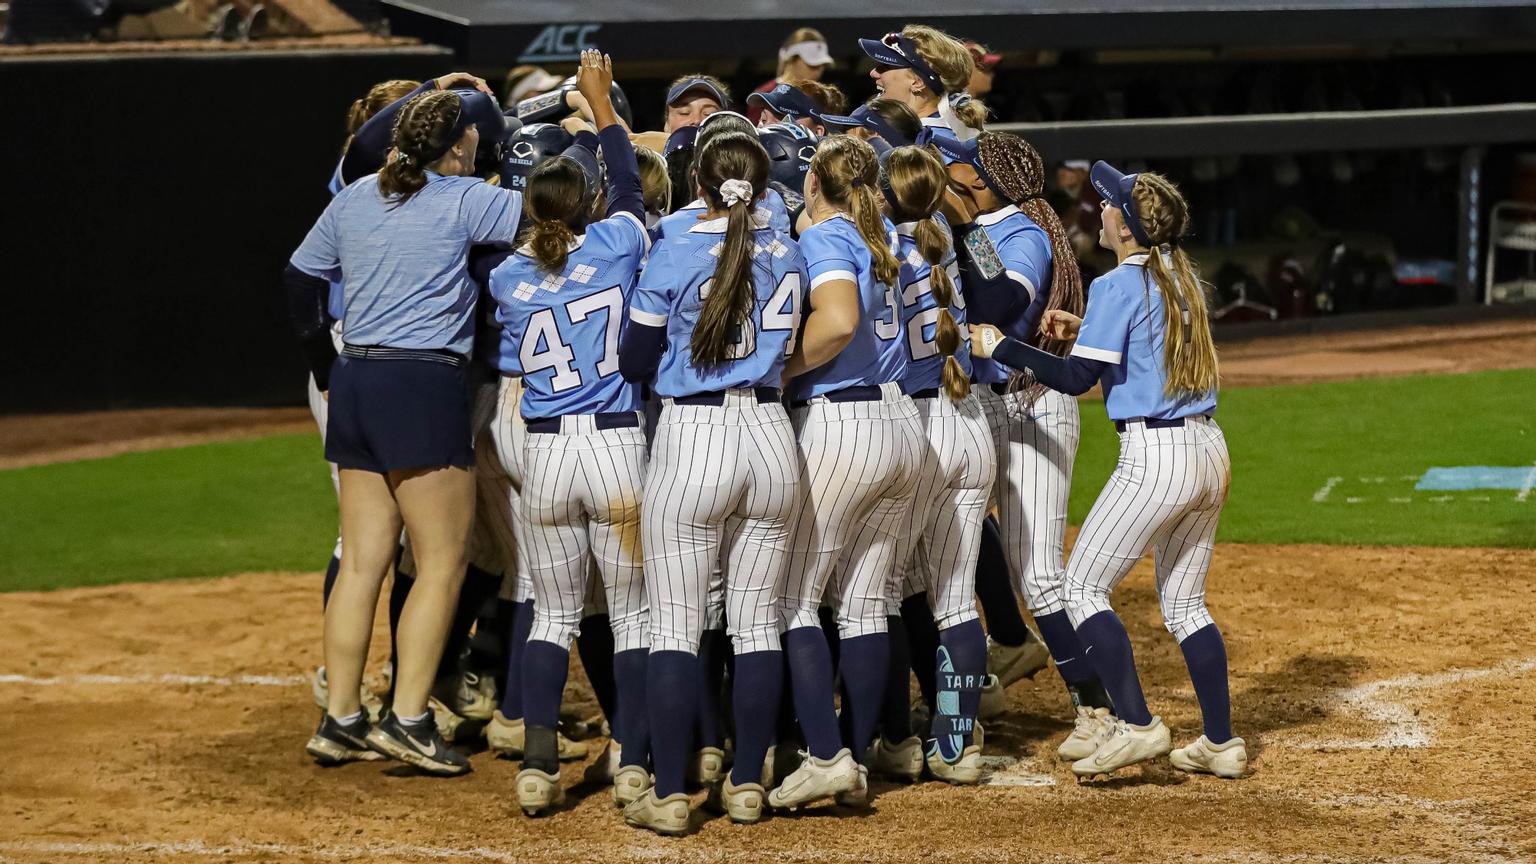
(417, 744)
(337, 743)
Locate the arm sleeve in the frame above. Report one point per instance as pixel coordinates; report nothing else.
(491, 213)
(367, 149)
(625, 194)
(828, 258)
(1106, 326)
(999, 300)
(306, 309)
(485, 259)
(1070, 375)
(640, 351)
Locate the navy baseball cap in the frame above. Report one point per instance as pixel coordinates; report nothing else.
(785, 100)
(704, 85)
(897, 51)
(872, 120)
(1115, 186)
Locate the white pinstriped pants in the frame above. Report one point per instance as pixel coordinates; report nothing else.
(956, 475)
(581, 501)
(1166, 495)
(1032, 498)
(499, 484)
(861, 462)
(723, 485)
(321, 411)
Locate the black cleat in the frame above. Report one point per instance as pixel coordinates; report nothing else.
(417, 744)
(337, 744)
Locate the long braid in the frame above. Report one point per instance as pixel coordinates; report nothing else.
(918, 183)
(423, 133)
(1189, 352)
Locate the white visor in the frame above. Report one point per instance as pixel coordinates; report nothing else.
(813, 53)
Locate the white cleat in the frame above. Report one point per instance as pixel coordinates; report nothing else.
(901, 761)
(605, 767)
(629, 783)
(994, 699)
(815, 780)
(538, 791)
(858, 796)
(742, 804)
(1128, 745)
(668, 816)
(768, 773)
(965, 772)
(1013, 663)
(1227, 761)
(467, 695)
(708, 766)
(507, 736)
(1091, 728)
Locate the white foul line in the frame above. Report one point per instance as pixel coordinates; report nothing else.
(1011, 771)
(1321, 495)
(196, 680)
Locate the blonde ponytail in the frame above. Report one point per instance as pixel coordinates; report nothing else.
(1189, 351)
(917, 182)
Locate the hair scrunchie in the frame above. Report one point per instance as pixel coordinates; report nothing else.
(734, 192)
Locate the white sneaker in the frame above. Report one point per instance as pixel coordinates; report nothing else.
(629, 783)
(1128, 745)
(742, 804)
(538, 791)
(901, 761)
(1227, 760)
(1089, 730)
(858, 796)
(769, 775)
(708, 766)
(667, 815)
(605, 767)
(1012, 663)
(965, 772)
(994, 699)
(816, 779)
(506, 737)
(467, 695)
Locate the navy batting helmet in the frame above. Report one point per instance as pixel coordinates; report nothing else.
(531, 147)
(790, 147)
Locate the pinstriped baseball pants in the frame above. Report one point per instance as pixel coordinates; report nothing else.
(860, 462)
(581, 501)
(722, 487)
(1042, 440)
(1165, 495)
(499, 485)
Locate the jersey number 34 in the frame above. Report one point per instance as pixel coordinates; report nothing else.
(782, 312)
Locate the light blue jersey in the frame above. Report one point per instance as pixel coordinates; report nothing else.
(560, 331)
(685, 218)
(1025, 251)
(1124, 327)
(920, 313)
(835, 250)
(671, 294)
(404, 266)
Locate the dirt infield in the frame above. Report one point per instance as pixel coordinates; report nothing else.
(1389, 719)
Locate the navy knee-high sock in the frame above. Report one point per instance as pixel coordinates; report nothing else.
(994, 588)
(595, 645)
(1109, 647)
(672, 682)
(713, 648)
(1206, 656)
(1075, 670)
(506, 612)
(757, 686)
(331, 569)
(810, 680)
(833, 635)
(895, 716)
(865, 661)
(967, 648)
(477, 588)
(544, 671)
(923, 636)
(517, 643)
(633, 727)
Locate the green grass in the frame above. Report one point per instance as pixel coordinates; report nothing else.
(1286, 442)
(210, 510)
(266, 504)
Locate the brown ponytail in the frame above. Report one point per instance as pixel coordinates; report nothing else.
(1019, 174)
(379, 97)
(849, 173)
(554, 199)
(917, 181)
(424, 130)
(1189, 352)
(727, 309)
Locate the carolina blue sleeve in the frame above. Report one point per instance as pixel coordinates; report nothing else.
(366, 151)
(491, 213)
(778, 211)
(318, 255)
(1027, 259)
(659, 282)
(500, 286)
(1106, 324)
(828, 257)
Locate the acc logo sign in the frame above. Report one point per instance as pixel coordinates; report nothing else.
(560, 42)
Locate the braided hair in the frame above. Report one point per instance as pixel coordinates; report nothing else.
(425, 129)
(917, 182)
(849, 173)
(1189, 352)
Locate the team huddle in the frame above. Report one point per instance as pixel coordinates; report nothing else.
(764, 417)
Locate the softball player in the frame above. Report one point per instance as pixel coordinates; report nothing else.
(399, 426)
(689, 214)
(955, 477)
(1146, 338)
(859, 442)
(716, 314)
(560, 301)
(928, 70)
(1003, 177)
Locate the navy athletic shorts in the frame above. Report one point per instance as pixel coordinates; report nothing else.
(398, 410)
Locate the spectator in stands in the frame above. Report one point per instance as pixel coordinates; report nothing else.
(986, 64)
(804, 57)
(526, 82)
(691, 98)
